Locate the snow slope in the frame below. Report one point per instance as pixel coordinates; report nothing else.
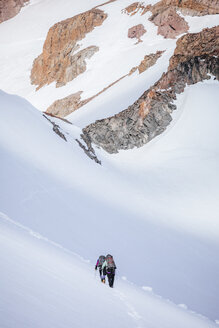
(60, 193)
(44, 285)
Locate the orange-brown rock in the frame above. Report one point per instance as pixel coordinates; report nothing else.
(170, 24)
(148, 61)
(196, 44)
(145, 105)
(136, 31)
(65, 106)
(135, 8)
(10, 8)
(190, 7)
(60, 60)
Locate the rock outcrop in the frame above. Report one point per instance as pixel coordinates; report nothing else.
(56, 128)
(190, 7)
(170, 24)
(61, 60)
(196, 44)
(151, 113)
(10, 8)
(65, 106)
(136, 31)
(136, 7)
(148, 61)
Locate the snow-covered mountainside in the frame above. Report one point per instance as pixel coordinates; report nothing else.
(109, 78)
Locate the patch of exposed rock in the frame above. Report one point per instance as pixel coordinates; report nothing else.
(61, 61)
(170, 24)
(89, 150)
(151, 113)
(196, 44)
(135, 7)
(136, 31)
(191, 7)
(10, 8)
(56, 128)
(148, 61)
(67, 105)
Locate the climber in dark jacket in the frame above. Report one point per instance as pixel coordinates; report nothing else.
(109, 268)
(99, 264)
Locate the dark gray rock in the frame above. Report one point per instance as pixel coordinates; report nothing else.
(56, 128)
(135, 126)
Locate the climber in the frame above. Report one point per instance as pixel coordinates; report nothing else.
(109, 268)
(99, 264)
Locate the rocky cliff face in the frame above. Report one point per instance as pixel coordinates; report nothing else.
(151, 113)
(196, 44)
(61, 60)
(10, 8)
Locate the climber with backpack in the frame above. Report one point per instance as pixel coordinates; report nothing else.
(109, 268)
(99, 264)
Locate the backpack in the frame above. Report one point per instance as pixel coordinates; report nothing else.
(110, 262)
(101, 260)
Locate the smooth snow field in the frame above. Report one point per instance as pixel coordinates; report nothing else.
(58, 289)
(154, 208)
(159, 219)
